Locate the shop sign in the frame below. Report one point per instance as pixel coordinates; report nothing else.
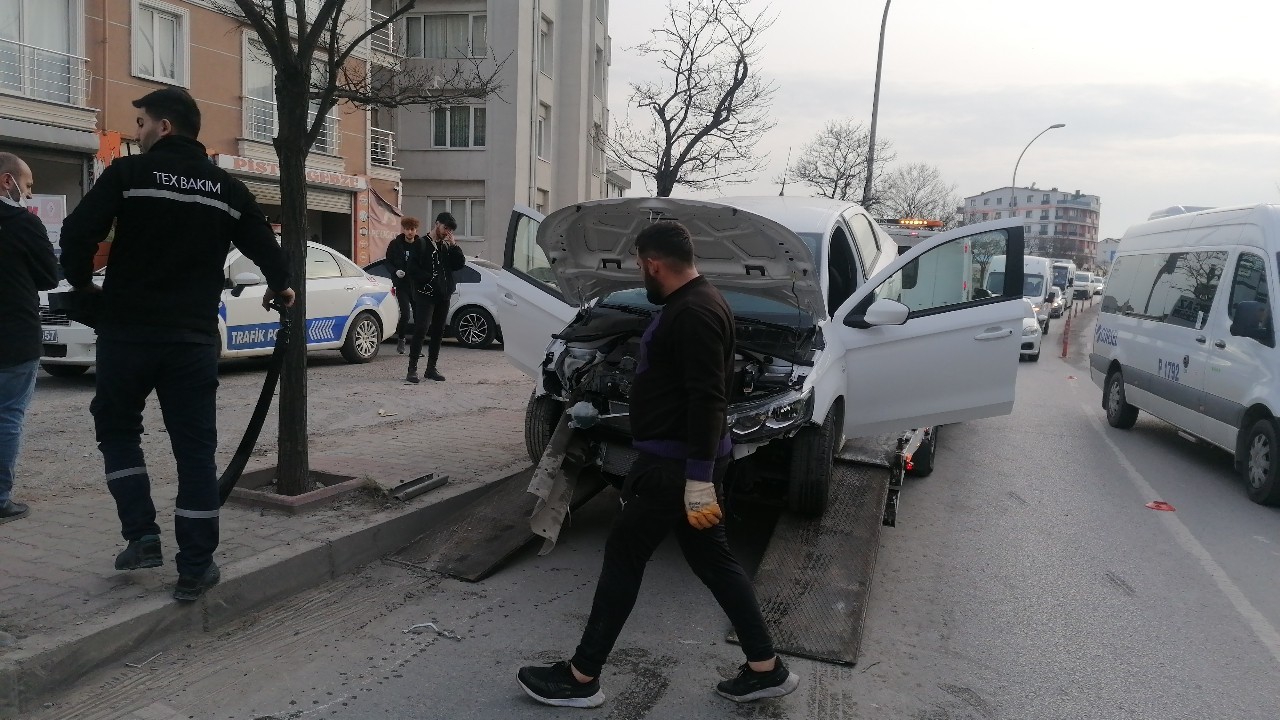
(252, 166)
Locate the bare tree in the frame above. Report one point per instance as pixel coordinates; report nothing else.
(703, 122)
(917, 190)
(319, 50)
(834, 162)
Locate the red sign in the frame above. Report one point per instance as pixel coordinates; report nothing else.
(377, 223)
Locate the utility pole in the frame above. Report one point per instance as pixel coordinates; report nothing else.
(875, 110)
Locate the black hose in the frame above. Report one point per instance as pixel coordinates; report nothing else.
(231, 474)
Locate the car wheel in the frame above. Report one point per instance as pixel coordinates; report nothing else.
(1262, 463)
(1034, 357)
(65, 371)
(922, 458)
(1120, 414)
(541, 417)
(813, 453)
(474, 327)
(363, 338)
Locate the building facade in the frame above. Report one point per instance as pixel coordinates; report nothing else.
(533, 144)
(1056, 223)
(70, 69)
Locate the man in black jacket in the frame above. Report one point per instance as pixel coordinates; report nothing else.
(401, 254)
(176, 215)
(431, 272)
(27, 265)
(679, 398)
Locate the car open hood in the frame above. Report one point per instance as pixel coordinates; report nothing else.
(591, 247)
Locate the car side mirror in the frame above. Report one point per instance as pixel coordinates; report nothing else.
(244, 280)
(1252, 320)
(886, 312)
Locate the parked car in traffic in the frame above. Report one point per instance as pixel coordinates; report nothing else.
(472, 308)
(347, 310)
(1084, 285)
(837, 335)
(1096, 284)
(1031, 336)
(1057, 305)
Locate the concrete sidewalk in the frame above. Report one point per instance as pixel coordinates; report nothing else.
(65, 610)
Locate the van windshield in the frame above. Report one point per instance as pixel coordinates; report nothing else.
(1032, 284)
(1082, 277)
(1060, 275)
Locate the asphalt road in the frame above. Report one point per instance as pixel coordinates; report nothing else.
(1025, 579)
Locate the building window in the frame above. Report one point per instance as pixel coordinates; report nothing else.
(1000, 200)
(597, 79)
(469, 212)
(160, 42)
(999, 215)
(597, 149)
(460, 126)
(543, 139)
(546, 47)
(986, 216)
(260, 117)
(38, 39)
(1044, 229)
(453, 35)
(986, 201)
(1031, 198)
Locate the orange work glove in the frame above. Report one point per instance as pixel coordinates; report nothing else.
(701, 505)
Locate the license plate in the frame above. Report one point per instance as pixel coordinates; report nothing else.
(50, 336)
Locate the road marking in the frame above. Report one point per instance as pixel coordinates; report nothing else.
(1262, 629)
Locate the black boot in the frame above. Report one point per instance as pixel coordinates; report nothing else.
(400, 344)
(10, 510)
(432, 374)
(141, 553)
(412, 376)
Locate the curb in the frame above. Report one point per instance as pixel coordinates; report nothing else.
(27, 676)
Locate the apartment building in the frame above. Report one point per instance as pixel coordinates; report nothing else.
(1056, 223)
(69, 70)
(530, 145)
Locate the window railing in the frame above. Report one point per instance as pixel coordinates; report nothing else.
(262, 124)
(43, 74)
(382, 147)
(385, 39)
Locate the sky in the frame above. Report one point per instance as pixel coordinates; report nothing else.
(1165, 102)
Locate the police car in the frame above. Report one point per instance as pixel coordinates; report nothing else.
(347, 310)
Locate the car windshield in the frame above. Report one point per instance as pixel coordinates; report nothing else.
(744, 306)
(1032, 284)
(1082, 277)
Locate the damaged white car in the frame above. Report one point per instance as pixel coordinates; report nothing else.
(836, 334)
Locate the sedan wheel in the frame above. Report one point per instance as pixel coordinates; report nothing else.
(362, 339)
(474, 327)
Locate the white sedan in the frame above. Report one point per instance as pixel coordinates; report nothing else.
(347, 309)
(472, 308)
(1031, 335)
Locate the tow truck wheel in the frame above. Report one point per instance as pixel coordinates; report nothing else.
(922, 458)
(65, 371)
(361, 344)
(813, 454)
(540, 420)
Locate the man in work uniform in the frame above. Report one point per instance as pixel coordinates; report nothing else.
(679, 398)
(176, 215)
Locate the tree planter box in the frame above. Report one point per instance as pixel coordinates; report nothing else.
(251, 491)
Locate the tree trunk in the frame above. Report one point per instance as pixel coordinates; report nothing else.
(293, 475)
(665, 182)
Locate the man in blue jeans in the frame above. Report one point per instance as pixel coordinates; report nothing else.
(176, 215)
(27, 265)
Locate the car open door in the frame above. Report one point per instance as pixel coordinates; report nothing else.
(530, 306)
(926, 342)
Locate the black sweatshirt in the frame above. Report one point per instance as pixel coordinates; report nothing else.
(682, 384)
(176, 215)
(27, 265)
(434, 266)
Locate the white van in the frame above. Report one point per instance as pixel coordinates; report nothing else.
(1035, 284)
(1065, 276)
(1185, 333)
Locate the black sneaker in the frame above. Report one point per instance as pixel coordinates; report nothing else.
(141, 553)
(10, 510)
(750, 685)
(433, 374)
(556, 685)
(412, 377)
(190, 587)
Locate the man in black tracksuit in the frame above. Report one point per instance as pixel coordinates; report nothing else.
(176, 215)
(401, 252)
(678, 402)
(430, 270)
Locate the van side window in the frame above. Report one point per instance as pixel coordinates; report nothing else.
(1176, 288)
(1115, 299)
(842, 270)
(1249, 284)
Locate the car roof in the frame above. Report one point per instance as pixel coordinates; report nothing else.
(797, 214)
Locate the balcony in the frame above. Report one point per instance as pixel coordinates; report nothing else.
(385, 40)
(382, 147)
(42, 74)
(261, 124)
(1077, 202)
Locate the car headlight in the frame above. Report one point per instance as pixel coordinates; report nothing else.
(782, 412)
(1031, 330)
(1036, 308)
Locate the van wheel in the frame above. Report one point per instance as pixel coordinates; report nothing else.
(541, 417)
(813, 454)
(922, 459)
(1120, 414)
(65, 371)
(1262, 464)
(363, 338)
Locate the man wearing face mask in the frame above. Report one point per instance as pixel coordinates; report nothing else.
(27, 265)
(176, 215)
(678, 403)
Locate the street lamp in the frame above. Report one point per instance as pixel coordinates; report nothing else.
(1013, 184)
(875, 110)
